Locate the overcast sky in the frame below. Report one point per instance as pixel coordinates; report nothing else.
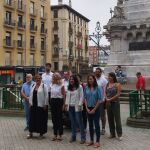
(95, 10)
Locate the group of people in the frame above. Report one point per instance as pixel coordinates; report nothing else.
(83, 101)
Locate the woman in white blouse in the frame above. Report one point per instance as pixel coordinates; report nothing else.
(57, 102)
(73, 104)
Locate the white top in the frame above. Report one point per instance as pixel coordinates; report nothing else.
(47, 79)
(65, 83)
(56, 91)
(75, 98)
(42, 95)
(102, 82)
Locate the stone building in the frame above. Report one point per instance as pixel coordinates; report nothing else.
(129, 34)
(69, 38)
(25, 32)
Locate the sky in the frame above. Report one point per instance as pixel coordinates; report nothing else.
(95, 10)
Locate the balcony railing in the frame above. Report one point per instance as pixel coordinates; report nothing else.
(33, 28)
(80, 58)
(9, 4)
(21, 25)
(9, 23)
(86, 59)
(79, 34)
(43, 47)
(55, 55)
(55, 28)
(70, 30)
(33, 13)
(9, 43)
(43, 31)
(56, 41)
(20, 44)
(33, 46)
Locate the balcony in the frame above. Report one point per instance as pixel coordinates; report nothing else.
(80, 58)
(43, 31)
(79, 34)
(33, 13)
(9, 43)
(86, 59)
(70, 44)
(9, 4)
(55, 55)
(33, 29)
(33, 47)
(71, 57)
(21, 25)
(21, 8)
(55, 28)
(9, 23)
(79, 46)
(44, 16)
(20, 45)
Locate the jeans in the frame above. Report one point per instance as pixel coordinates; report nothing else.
(114, 119)
(27, 110)
(94, 120)
(76, 119)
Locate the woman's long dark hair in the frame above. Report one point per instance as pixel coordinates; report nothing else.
(95, 82)
(112, 74)
(76, 83)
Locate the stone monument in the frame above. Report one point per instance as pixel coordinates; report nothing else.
(128, 31)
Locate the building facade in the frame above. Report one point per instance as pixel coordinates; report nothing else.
(69, 38)
(25, 29)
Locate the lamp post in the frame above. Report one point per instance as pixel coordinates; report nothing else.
(96, 37)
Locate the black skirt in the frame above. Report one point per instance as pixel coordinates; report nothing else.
(38, 117)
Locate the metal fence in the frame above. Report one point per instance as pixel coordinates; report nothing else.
(10, 98)
(139, 103)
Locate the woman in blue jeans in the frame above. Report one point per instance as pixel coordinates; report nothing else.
(73, 104)
(93, 98)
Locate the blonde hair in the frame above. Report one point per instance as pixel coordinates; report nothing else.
(56, 78)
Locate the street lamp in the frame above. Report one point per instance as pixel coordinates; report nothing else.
(96, 37)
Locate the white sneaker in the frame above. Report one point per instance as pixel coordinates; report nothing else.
(120, 138)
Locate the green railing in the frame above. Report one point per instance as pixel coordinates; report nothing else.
(11, 98)
(139, 103)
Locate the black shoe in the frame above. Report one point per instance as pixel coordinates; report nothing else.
(72, 140)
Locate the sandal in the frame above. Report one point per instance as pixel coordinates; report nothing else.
(89, 143)
(29, 136)
(54, 138)
(96, 145)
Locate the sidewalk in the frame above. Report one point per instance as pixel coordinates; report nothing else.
(12, 137)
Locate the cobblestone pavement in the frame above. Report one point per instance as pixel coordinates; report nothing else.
(12, 137)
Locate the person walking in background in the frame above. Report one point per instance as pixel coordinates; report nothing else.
(57, 102)
(93, 99)
(66, 80)
(38, 108)
(140, 85)
(73, 104)
(25, 92)
(84, 113)
(102, 82)
(113, 91)
(47, 78)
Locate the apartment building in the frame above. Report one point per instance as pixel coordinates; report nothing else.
(25, 32)
(69, 38)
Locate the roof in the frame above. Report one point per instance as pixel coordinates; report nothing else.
(53, 7)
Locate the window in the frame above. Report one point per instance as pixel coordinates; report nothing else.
(20, 4)
(32, 59)
(8, 2)
(19, 40)
(8, 17)
(56, 67)
(55, 13)
(8, 38)
(42, 44)
(56, 25)
(32, 44)
(32, 23)
(42, 11)
(31, 7)
(42, 60)
(7, 58)
(42, 27)
(19, 59)
(20, 21)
